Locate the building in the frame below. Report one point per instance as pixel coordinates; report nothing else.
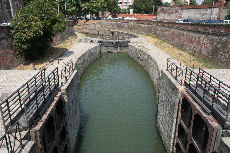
(8, 9)
(124, 4)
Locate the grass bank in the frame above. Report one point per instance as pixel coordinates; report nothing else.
(182, 56)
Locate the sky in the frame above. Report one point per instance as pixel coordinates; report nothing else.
(199, 2)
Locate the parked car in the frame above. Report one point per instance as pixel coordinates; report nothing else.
(179, 20)
(128, 18)
(120, 18)
(227, 21)
(189, 20)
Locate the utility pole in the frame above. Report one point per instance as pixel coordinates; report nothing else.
(65, 9)
(58, 7)
(11, 8)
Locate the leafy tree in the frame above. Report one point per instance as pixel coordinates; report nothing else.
(112, 7)
(143, 6)
(193, 2)
(157, 3)
(179, 2)
(34, 26)
(209, 1)
(166, 4)
(125, 11)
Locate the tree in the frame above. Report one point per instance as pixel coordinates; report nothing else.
(157, 3)
(143, 6)
(166, 4)
(112, 7)
(179, 2)
(193, 2)
(209, 1)
(34, 26)
(125, 11)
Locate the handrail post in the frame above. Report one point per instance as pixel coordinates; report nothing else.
(57, 77)
(8, 109)
(176, 71)
(167, 63)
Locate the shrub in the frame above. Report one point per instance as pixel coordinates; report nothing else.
(34, 26)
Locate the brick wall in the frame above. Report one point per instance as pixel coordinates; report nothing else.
(8, 59)
(205, 42)
(139, 16)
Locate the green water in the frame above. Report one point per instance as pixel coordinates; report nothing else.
(118, 106)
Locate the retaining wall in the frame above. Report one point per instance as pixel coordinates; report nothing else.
(168, 92)
(70, 93)
(210, 43)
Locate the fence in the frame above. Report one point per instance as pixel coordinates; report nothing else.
(66, 72)
(176, 70)
(25, 105)
(212, 94)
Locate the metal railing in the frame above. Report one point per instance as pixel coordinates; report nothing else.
(217, 83)
(66, 72)
(22, 107)
(176, 70)
(211, 92)
(12, 107)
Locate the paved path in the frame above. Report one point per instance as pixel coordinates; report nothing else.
(81, 45)
(11, 80)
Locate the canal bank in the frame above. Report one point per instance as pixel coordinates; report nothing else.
(168, 92)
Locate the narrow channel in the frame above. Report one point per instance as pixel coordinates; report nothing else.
(118, 108)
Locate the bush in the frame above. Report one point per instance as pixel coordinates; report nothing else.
(34, 26)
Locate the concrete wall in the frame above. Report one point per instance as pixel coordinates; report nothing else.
(174, 13)
(210, 42)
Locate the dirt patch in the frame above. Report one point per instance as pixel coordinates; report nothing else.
(53, 53)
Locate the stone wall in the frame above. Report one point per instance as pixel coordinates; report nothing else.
(61, 36)
(168, 105)
(206, 42)
(197, 12)
(147, 62)
(8, 59)
(70, 93)
(168, 93)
